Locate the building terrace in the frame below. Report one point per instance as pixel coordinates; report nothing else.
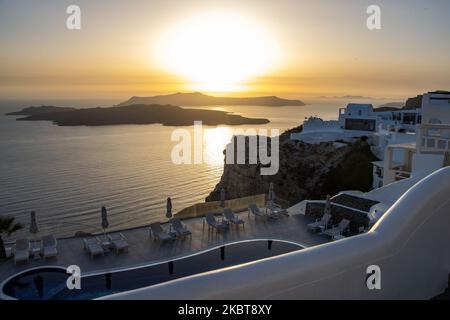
(144, 250)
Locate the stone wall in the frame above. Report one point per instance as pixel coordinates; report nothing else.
(237, 205)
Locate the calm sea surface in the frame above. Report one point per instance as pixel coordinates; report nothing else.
(66, 174)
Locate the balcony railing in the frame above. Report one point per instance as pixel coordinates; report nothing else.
(400, 175)
(432, 143)
(435, 138)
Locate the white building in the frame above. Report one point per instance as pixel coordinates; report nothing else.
(358, 119)
(429, 150)
(403, 119)
(354, 121)
(406, 142)
(410, 144)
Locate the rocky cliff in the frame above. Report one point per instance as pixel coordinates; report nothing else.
(414, 103)
(305, 171)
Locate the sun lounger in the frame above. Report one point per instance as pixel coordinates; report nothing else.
(213, 223)
(231, 217)
(253, 209)
(49, 247)
(280, 211)
(158, 233)
(22, 251)
(180, 228)
(93, 246)
(118, 242)
(275, 211)
(320, 223)
(337, 230)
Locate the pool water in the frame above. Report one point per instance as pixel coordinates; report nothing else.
(50, 283)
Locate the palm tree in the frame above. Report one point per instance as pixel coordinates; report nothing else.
(7, 227)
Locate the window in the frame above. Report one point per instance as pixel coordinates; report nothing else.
(360, 124)
(435, 121)
(430, 143)
(445, 133)
(379, 172)
(409, 118)
(434, 132)
(441, 144)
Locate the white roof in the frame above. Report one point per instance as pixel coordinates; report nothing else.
(404, 145)
(360, 105)
(378, 163)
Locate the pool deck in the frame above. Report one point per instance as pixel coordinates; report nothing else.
(144, 250)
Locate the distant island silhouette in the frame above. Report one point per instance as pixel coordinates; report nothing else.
(199, 99)
(344, 97)
(39, 110)
(391, 106)
(167, 115)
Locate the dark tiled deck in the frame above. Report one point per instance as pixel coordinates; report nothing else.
(143, 250)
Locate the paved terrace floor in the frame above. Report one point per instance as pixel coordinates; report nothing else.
(143, 250)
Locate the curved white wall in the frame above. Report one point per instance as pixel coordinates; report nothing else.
(410, 243)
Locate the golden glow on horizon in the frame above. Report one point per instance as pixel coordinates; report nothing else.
(217, 51)
(298, 50)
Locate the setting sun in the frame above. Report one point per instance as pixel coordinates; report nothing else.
(217, 51)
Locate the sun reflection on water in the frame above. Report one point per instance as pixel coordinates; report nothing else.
(214, 142)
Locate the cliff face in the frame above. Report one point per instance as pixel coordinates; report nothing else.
(410, 104)
(305, 172)
(413, 103)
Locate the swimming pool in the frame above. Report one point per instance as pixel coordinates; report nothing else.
(49, 283)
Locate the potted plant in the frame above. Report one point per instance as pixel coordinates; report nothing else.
(7, 227)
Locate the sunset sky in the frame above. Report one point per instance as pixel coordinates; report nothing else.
(256, 47)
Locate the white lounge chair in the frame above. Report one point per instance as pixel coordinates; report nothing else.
(320, 223)
(276, 211)
(49, 246)
(337, 230)
(22, 251)
(158, 232)
(93, 246)
(253, 209)
(180, 228)
(213, 223)
(231, 217)
(118, 242)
